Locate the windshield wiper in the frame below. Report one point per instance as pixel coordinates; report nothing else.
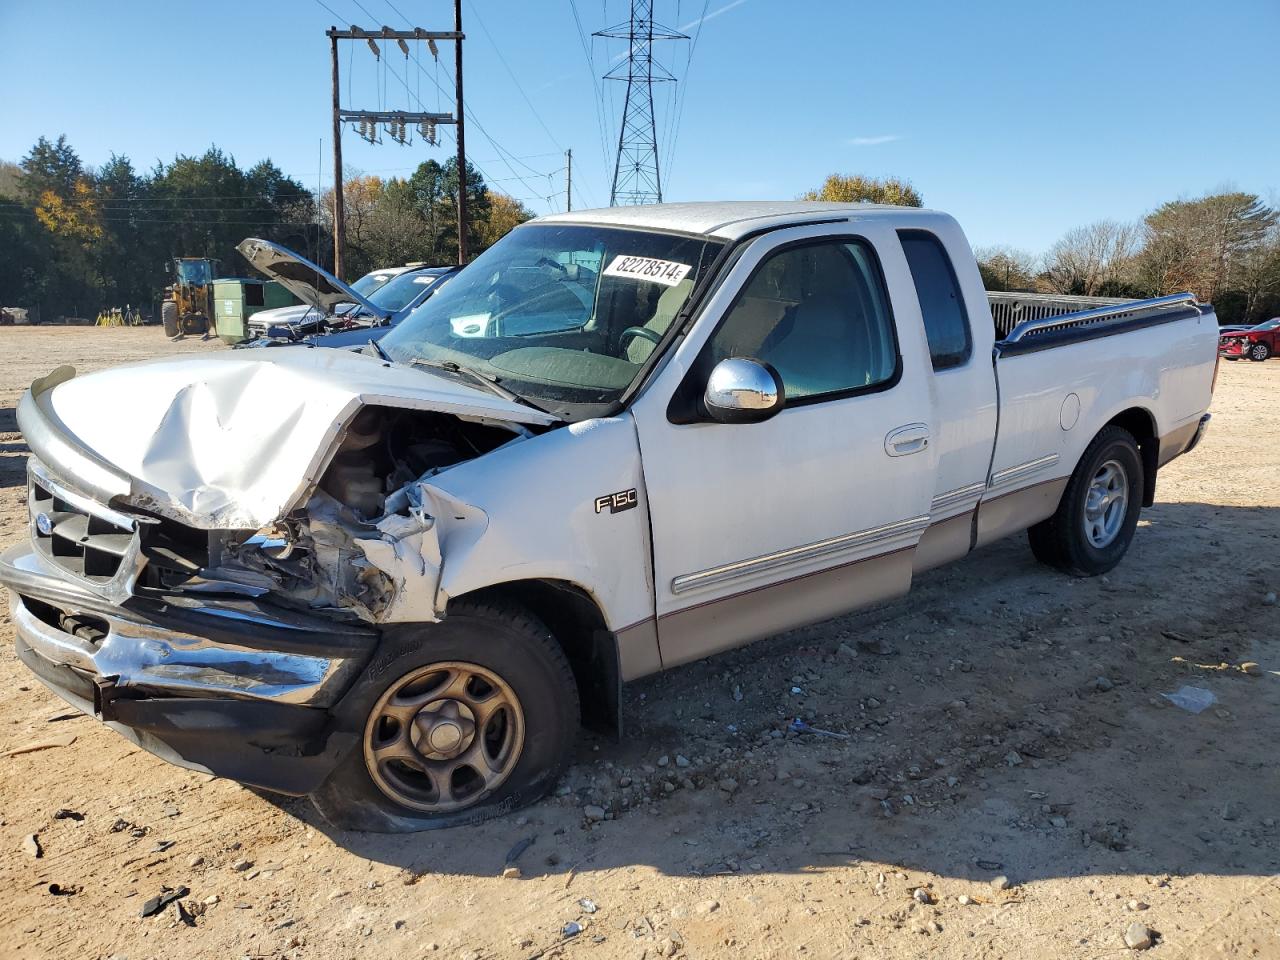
(488, 382)
(377, 347)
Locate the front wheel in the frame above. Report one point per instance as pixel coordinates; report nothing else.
(1259, 351)
(473, 717)
(169, 319)
(1095, 520)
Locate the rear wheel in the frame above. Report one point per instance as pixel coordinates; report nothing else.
(1259, 351)
(477, 716)
(1095, 520)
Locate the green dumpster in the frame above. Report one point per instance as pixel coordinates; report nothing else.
(236, 299)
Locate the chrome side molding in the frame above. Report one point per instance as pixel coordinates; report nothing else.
(959, 495)
(796, 555)
(1021, 471)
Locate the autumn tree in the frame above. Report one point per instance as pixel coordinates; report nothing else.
(1007, 268)
(505, 214)
(842, 188)
(59, 193)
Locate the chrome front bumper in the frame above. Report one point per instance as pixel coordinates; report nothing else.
(234, 688)
(231, 650)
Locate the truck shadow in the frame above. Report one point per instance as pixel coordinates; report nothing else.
(13, 452)
(1002, 719)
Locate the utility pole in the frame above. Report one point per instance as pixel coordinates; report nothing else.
(568, 180)
(636, 178)
(339, 208)
(395, 122)
(462, 140)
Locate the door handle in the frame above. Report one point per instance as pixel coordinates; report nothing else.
(903, 441)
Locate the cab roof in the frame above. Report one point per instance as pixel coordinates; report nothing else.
(731, 219)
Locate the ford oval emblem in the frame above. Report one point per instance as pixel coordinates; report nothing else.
(44, 523)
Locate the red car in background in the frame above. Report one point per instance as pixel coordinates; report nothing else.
(1257, 343)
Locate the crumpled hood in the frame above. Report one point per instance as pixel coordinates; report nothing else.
(234, 440)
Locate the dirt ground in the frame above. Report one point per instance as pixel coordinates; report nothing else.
(1002, 721)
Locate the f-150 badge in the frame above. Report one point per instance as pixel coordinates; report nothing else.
(617, 502)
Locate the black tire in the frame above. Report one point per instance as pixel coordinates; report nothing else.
(1061, 540)
(169, 318)
(1259, 352)
(501, 638)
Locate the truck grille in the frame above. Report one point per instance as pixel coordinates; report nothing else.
(91, 542)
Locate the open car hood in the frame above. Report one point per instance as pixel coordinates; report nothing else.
(231, 440)
(309, 282)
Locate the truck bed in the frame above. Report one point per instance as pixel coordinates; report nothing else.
(1081, 368)
(1023, 318)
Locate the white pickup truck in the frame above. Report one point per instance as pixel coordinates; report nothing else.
(619, 441)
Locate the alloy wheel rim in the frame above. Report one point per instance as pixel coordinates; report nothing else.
(1260, 351)
(444, 736)
(1106, 504)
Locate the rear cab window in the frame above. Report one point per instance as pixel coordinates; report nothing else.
(946, 321)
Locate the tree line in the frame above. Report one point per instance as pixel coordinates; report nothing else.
(75, 239)
(1223, 246)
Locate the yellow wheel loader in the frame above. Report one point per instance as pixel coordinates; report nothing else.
(188, 301)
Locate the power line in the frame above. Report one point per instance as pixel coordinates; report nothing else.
(514, 79)
(331, 10)
(187, 220)
(504, 155)
(683, 95)
(598, 102)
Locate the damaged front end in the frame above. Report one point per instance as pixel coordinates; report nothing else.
(223, 646)
(369, 540)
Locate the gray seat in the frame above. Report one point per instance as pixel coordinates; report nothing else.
(825, 343)
(669, 304)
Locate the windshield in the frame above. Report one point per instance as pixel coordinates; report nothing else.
(563, 316)
(194, 271)
(372, 281)
(398, 293)
(1268, 324)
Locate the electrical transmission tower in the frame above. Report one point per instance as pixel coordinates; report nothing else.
(636, 177)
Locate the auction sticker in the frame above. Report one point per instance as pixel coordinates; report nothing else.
(666, 272)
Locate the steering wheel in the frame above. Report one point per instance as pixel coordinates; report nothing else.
(644, 333)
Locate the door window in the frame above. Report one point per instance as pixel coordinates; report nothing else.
(946, 323)
(819, 315)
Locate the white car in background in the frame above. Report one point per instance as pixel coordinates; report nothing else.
(327, 302)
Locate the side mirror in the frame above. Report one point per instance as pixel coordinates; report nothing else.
(740, 390)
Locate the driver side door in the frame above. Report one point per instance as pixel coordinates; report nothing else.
(761, 527)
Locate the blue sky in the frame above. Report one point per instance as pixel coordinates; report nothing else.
(1021, 119)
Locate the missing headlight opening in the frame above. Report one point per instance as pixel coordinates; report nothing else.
(384, 450)
(366, 541)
